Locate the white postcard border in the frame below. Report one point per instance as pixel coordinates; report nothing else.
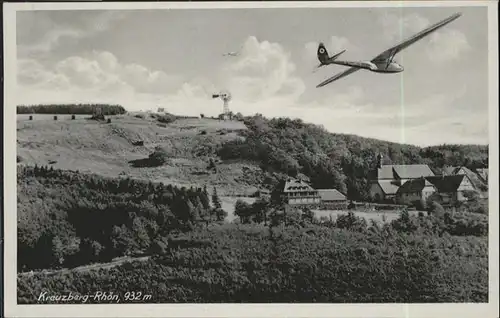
(235, 310)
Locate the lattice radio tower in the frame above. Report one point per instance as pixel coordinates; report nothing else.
(226, 98)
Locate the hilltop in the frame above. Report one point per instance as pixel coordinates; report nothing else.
(248, 154)
(111, 149)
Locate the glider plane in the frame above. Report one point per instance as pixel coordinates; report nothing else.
(382, 63)
(231, 54)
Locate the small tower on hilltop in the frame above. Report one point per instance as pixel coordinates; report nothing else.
(225, 96)
(380, 160)
(98, 112)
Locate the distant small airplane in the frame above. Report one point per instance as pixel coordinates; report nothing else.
(231, 54)
(382, 63)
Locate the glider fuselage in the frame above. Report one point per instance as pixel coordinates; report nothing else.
(392, 67)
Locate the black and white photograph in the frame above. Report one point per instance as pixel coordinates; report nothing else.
(251, 159)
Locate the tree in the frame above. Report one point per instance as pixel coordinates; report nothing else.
(308, 215)
(260, 209)
(216, 202)
(220, 214)
(243, 210)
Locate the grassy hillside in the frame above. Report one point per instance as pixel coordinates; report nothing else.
(111, 149)
(336, 160)
(254, 152)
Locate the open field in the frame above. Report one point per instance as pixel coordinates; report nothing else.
(228, 205)
(108, 149)
(378, 216)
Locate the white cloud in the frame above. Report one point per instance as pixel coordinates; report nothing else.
(97, 72)
(43, 34)
(443, 45)
(447, 45)
(262, 80)
(263, 70)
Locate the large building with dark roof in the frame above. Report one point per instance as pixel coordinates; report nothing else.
(387, 179)
(300, 193)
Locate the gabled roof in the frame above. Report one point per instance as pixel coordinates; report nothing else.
(449, 170)
(292, 185)
(477, 181)
(388, 187)
(331, 195)
(385, 172)
(403, 171)
(447, 184)
(483, 173)
(412, 171)
(415, 185)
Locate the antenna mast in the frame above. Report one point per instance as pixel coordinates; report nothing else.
(226, 97)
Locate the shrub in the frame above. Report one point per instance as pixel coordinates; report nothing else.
(436, 209)
(420, 205)
(238, 116)
(167, 118)
(159, 156)
(109, 121)
(467, 224)
(351, 222)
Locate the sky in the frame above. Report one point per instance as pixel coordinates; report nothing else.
(145, 59)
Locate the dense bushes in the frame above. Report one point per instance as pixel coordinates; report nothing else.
(68, 219)
(78, 109)
(239, 263)
(166, 118)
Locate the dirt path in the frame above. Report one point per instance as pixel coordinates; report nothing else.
(86, 268)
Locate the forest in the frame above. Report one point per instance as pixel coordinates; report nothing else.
(71, 109)
(271, 255)
(66, 218)
(411, 259)
(333, 160)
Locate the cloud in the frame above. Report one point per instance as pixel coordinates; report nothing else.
(40, 32)
(443, 45)
(447, 45)
(97, 72)
(262, 79)
(262, 71)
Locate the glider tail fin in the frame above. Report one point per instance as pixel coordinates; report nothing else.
(324, 58)
(322, 54)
